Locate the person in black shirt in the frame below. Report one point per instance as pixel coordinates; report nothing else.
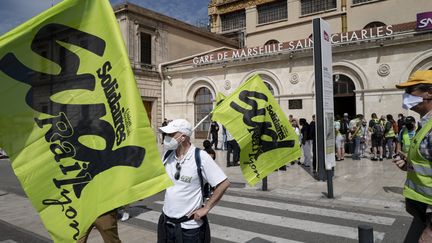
(306, 144)
(208, 148)
(214, 129)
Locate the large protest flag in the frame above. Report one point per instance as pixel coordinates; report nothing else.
(257, 123)
(71, 117)
(219, 98)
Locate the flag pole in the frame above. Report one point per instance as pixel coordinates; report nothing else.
(202, 120)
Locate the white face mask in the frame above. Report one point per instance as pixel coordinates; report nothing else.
(409, 101)
(170, 143)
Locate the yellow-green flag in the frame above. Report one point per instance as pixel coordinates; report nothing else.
(257, 123)
(71, 117)
(219, 98)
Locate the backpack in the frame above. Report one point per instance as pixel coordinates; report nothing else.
(343, 127)
(378, 129)
(206, 188)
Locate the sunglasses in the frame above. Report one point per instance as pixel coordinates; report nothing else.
(177, 174)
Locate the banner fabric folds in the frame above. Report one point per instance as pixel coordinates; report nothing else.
(264, 134)
(72, 120)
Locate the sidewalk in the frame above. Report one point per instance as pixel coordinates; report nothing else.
(362, 183)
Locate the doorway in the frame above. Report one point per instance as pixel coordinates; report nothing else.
(343, 95)
(148, 107)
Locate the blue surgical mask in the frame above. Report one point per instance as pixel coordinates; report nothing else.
(409, 101)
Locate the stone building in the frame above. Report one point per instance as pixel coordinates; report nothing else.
(376, 44)
(154, 40)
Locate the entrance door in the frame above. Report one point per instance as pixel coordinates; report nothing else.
(148, 107)
(203, 106)
(344, 96)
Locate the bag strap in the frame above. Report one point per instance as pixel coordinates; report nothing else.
(198, 164)
(167, 153)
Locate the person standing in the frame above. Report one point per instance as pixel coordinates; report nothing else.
(400, 121)
(355, 126)
(344, 130)
(364, 133)
(294, 124)
(418, 160)
(389, 135)
(208, 148)
(232, 149)
(377, 130)
(184, 213)
(224, 138)
(306, 145)
(106, 224)
(214, 131)
(406, 134)
(340, 139)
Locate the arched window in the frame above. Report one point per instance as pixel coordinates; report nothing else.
(342, 86)
(273, 41)
(203, 106)
(270, 87)
(270, 83)
(374, 25)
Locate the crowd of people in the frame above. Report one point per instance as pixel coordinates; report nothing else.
(381, 137)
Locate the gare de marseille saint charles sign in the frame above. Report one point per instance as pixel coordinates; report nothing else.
(338, 38)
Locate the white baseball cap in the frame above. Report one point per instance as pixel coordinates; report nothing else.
(178, 125)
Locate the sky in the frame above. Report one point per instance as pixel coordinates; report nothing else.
(15, 12)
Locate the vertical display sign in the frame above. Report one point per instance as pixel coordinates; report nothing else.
(324, 96)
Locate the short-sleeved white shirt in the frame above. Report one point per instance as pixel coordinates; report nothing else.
(185, 196)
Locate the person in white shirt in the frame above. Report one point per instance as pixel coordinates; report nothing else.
(184, 214)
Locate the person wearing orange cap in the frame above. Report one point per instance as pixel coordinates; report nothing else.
(418, 160)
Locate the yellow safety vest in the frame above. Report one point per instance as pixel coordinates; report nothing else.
(390, 133)
(418, 185)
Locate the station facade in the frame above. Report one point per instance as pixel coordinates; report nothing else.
(376, 44)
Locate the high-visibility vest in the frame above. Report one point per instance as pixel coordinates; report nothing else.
(418, 185)
(390, 133)
(405, 140)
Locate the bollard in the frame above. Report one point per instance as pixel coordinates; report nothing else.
(329, 183)
(264, 184)
(365, 234)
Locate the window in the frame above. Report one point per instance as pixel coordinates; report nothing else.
(203, 106)
(233, 21)
(145, 48)
(342, 86)
(374, 25)
(360, 1)
(269, 87)
(295, 104)
(272, 12)
(315, 6)
(271, 42)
